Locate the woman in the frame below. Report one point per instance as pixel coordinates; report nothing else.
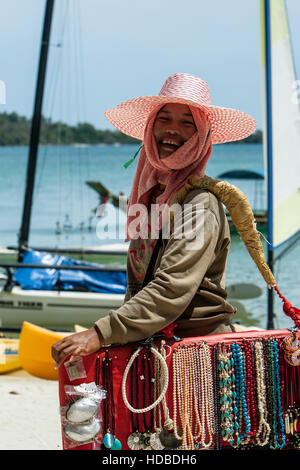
(177, 279)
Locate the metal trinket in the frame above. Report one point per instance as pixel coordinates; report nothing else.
(169, 440)
(146, 440)
(135, 441)
(155, 441)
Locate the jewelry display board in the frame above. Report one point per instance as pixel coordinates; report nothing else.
(233, 390)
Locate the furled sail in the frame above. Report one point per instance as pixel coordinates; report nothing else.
(281, 125)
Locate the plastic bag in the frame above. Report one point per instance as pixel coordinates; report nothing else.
(75, 368)
(81, 417)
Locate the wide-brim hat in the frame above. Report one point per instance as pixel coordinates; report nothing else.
(227, 125)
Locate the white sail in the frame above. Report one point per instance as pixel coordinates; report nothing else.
(283, 170)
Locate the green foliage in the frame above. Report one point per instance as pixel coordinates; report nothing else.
(15, 130)
(255, 138)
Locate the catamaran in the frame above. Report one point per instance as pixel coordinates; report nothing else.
(46, 288)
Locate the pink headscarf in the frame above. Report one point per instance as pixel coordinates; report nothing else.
(173, 171)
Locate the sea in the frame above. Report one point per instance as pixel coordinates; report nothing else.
(64, 211)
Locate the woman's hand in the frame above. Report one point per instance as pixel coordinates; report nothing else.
(79, 344)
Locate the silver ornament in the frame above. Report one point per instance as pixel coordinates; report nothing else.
(135, 441)
(82, 433)
(82, 410)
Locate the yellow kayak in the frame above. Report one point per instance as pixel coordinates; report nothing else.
(35, 350)
(9, 355)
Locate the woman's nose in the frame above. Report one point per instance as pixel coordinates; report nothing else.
(173, 127)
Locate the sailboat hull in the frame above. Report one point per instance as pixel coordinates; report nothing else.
(55, 308)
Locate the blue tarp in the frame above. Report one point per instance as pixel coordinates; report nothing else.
(113, 282)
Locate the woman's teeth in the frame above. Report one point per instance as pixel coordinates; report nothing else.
(170, 142)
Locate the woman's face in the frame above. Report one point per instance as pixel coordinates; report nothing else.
(173, 126)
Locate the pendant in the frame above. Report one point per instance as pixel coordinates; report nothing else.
(108, 440)
(146, 440)
(135, 441)
(155, 441)
(169, 440)
(295, 357)
(116, 445)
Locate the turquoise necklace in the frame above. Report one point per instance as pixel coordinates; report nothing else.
(278, 419)
(240, 388)
(228, 410)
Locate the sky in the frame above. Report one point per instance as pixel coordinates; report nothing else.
(105, 52)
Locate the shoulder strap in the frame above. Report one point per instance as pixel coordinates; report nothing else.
(149, 273)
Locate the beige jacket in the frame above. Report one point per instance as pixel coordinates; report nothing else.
(188, 285)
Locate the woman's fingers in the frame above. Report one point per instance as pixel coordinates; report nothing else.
(67, 351)
(80, 344)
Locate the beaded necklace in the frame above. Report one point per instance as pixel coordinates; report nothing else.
(229, 421)
(250, 390)
(279, 421)
(263, 430)
(181, 397)
(218, 442)
(242, 407)
(197, 410)
(163, 437)
(183, 389)
(176, 391)
(207, 396)
(291, 373)
(193, 395)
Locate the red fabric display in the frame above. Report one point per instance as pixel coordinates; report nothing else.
(251, 392)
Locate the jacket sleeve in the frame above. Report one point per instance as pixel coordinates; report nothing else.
(181, 270)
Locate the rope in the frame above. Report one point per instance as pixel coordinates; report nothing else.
(165, 375)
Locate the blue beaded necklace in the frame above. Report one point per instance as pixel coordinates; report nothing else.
(278, 411)
(227, 401)
(240, 390)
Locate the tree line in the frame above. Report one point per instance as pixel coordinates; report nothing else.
(15, 130)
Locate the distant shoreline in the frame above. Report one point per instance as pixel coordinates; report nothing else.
(15, 132)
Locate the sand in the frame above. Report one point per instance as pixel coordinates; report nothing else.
(30, 418)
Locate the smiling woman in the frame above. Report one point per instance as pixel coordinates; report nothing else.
(171, 280)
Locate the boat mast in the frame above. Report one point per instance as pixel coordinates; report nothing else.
(269, 150)
(35, 129)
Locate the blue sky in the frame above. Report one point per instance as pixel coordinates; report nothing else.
(115, 50)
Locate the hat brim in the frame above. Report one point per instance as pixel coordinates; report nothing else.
(227, 125)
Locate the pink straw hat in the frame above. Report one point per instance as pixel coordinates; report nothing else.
(227, 125)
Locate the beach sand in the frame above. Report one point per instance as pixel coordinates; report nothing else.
(30, 418)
